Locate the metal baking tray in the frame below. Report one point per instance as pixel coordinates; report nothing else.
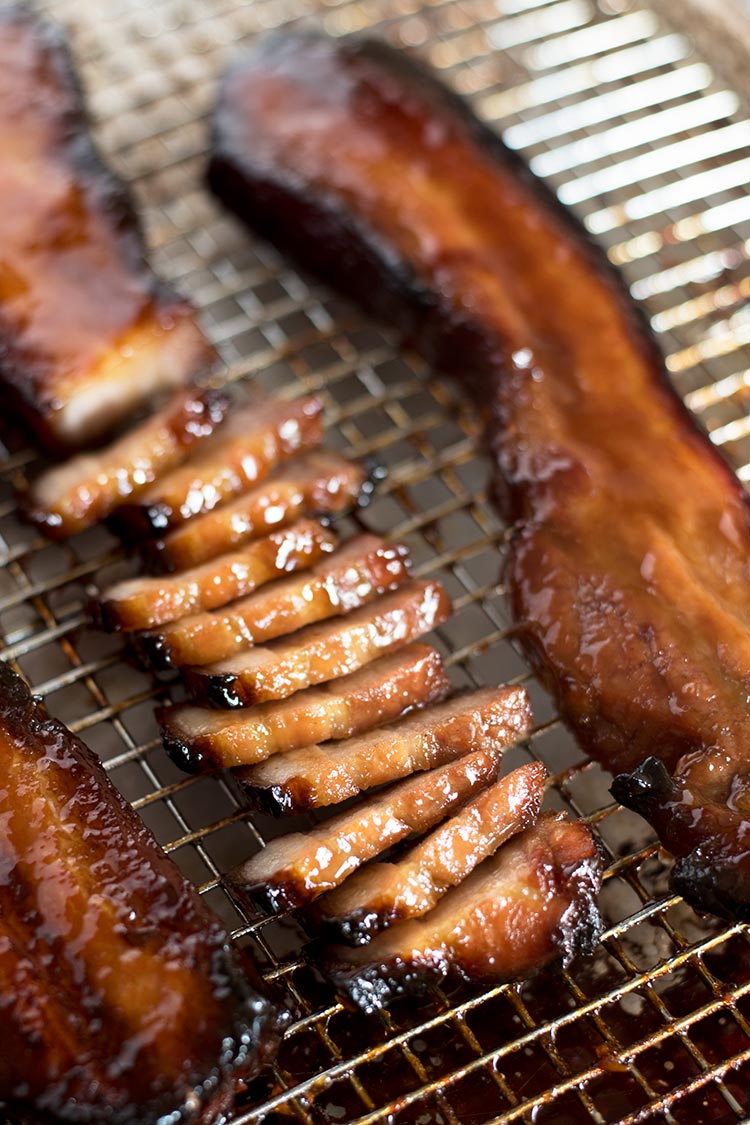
(636, 133)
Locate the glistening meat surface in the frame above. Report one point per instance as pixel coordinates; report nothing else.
(377, 693)
(629, 568)
(532, 903)
(121, 999)
(87, 333)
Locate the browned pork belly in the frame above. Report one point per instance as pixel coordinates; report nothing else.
(629, 569)
(294, 869)
(382, 894)
(122, 999)
(315, 776)
(322, 652)
(87, 333)
(197, 736)
(85, 490)
(255, 438)
(355, 574)
(319, 483)
(531, 903)
(142, 603)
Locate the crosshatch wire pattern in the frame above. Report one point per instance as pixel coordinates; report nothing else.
(636, 134)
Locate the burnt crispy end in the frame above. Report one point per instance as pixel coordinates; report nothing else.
(195, 737)
(293, 870)
(142, 603)
(627, 574)
(319, 483)
(531, 903)
(353, 576)
(122, 997)
(254, 439)
(88, 488)
(322, 652)
(88, 335)
(382, 894)
(315, 776)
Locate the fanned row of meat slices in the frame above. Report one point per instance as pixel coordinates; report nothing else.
(309, 680)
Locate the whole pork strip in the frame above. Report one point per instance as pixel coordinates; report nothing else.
(319, 483)
(316, 776)
(142, 603)
(351, 577)
(629, 570)
(122, 999)
(87, 333)
(531, 903)
(378, 693)
(85, 490)
(382, 894)
(255, 438)
(294, 869)
(322, 652)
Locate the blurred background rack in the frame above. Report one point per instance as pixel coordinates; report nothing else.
(617, 106)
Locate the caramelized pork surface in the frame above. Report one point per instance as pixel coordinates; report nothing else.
(142, 603)
(88, 488)
(531, 903)
(351, 577)
(315, 776)
(255, 438)
(292, 870)
(381, 894)
(319, 483)
(322, 652)
(122, 1000)
(629, 570)
(195, 737)
(87, 333)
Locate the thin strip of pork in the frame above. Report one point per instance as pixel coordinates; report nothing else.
(315, 776)
(196, 737)
(628, 572)
(85, 490)
(293, 870)
(319, 483)
(143, 603)
(88, 334)
(122, 999)
(322, 652)
(531, 903)
(351, 577)
(383, 894)
(255, 438)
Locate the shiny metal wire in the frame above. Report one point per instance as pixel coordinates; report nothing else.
(633, 129)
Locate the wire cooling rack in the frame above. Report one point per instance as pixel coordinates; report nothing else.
(633, 129)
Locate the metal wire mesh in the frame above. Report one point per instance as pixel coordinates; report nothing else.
(636, 134)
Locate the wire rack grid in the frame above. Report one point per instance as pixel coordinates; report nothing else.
(634, 131)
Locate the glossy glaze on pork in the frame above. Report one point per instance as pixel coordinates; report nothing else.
(143, 603)
(629, 569)
(195, 737)
(87, 333)
(121, 998)
(352, 576)
(315, 776)
(383, 894)
(293, 870)
(532, 903)
(322, 652)
(319, 483)
(255, 438)
(86, 489)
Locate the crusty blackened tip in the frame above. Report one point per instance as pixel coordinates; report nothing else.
(154, 650)
(649, 784)
(183, 755)
(713, 883)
